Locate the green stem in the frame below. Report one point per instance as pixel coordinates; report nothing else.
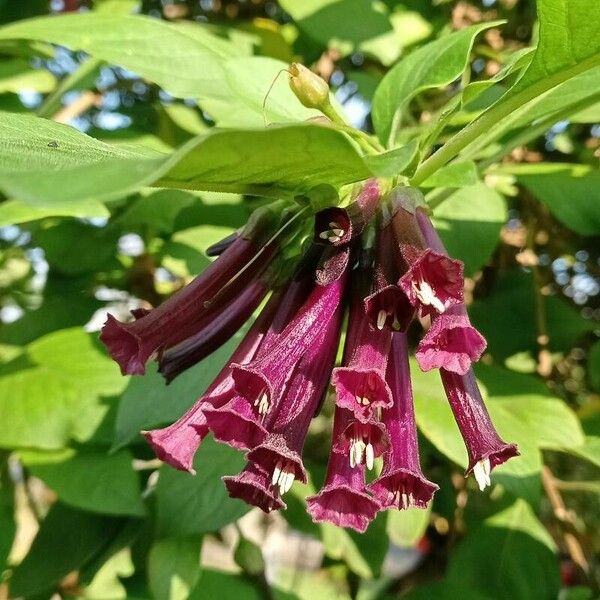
(494, 115)
(52, 103)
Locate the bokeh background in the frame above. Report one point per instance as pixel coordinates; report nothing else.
(85, 509)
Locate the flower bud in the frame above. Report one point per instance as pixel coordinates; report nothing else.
(309, 88)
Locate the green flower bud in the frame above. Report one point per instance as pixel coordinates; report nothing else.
(309, 88)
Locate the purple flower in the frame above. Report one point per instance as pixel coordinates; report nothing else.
(217, 330)
(177, 444)
(360, 384)
(337, 226)
(264, 380)
(484, 446)
(402, 483)
(451, 343)
(388, 306)
(238, 423)
(432, 282)
(190, 309)
(343, 499)
(281, 451)
(253, 485)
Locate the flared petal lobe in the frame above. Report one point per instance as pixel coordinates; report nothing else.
(360, 384)
(484, 446)
(402, 483)
(343, 499)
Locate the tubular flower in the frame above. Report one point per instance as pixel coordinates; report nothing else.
(360, 384)
(264, 379)
(343, 500)
(402, 483)
(432, 281)
(177, 444)
(452, 342)
(388, 306)
(238, 422)
(484, 447)
(385, 262)
(281, 451)
(194, 306)
(337, 226)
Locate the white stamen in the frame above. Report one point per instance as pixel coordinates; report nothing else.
(333, 224)
(289, 480)
(263, 404)
(481, 471)
(424, 293)
(324, 235)
(276, 473)
(338, 232)
(334, 238)
(369, 456)
(381, 317)
(404, 500)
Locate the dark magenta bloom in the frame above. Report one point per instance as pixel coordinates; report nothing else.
(238, 422)
(177, 444)
(402, 483)
(388, 306)
(485, 448)
(360, 384)
(432, 281)
(184, 313)
(214, 333)
(281, 451)
(337, 226)
(343, 500)
(451, 343)
(333, 264)
(253, 485)
(264, 380)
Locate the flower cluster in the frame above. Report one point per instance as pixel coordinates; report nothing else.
(377, 257)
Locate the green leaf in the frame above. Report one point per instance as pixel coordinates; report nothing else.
(14, 212)
(56, 391)
(552, 424)
(74, 248)
(147, 402)
(40, 154)
(17, 76)
(8, 526)
(193, 504)
(571, 192)
(407, 527)
(90, 479)
(255, 92)
(66, 541)
(510, 308)
(590, 449)
(469, 223)
(523, 566)
(248, 556)
(174, 567)
(131, 41)
(435, 64)
(225, 586)
(347, 26)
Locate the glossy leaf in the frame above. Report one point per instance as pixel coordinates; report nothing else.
(193, 504)
(433, 65)
(90, 480)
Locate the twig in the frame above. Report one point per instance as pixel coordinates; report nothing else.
(83, 103)
(562, 514)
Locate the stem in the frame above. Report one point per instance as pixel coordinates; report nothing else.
(561, 513)
(494, 115)
(52, 103)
